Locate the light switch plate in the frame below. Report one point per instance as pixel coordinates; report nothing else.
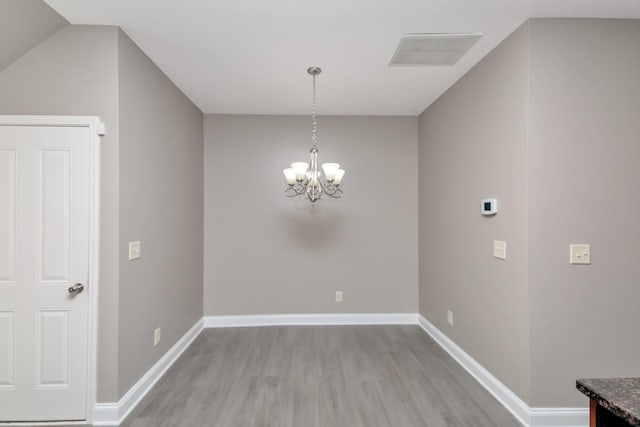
(157, 336)
(134, 250)
(499, 249)
(579, 254)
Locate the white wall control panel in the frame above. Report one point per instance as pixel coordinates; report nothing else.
(489, 207)
(579, 254)
(499, 249)
(134, 250)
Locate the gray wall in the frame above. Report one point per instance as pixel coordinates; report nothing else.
(583, 188)
(267, 254)
(473, 145)
(161, 204)
(75, 72)
(548, 123)
(23, 25)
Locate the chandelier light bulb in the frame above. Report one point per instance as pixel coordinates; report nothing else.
(300, 169)
(330, 170)
(290, 176)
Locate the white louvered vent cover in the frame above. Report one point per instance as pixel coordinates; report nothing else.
(433, 49)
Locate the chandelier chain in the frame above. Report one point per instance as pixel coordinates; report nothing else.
(314, 129)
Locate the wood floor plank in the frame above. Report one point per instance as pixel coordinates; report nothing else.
(318, 376)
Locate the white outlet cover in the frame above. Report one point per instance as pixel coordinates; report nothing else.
(338, 296)
(499, 249)
(579, 254)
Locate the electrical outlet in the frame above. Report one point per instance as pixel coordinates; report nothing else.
(579, 254)
(338, 296)
(157, 335)
(449, 317)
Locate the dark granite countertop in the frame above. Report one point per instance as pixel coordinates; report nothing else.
(619, 395)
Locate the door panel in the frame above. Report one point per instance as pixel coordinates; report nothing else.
(44, 179)
(53, 353)
(54, 214)
(7, 216)
(7, 349)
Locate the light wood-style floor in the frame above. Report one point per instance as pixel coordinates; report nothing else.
(317, 376)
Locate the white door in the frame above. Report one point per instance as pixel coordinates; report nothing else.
(44, 250)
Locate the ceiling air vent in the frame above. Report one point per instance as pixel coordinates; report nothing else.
(433, 49)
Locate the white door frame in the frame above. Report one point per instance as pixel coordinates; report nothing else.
(96, 129)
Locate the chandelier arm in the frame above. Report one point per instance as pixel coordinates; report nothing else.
(290, 192)
(337, 194)
(331, 190)
(314, 193)
(295, 189)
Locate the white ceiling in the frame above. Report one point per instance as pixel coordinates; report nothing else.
(251, 56)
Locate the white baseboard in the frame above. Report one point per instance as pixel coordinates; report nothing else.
(559, 417)
(506, 397)
(112, 414)
(528, 417)
(42, 423)
(311, 319)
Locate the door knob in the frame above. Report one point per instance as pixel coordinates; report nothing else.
(77, 288)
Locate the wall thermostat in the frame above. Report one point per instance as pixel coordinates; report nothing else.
(489, 207)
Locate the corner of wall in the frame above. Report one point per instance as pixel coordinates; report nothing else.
(473, 146)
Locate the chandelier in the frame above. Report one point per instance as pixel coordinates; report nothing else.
(304, 179)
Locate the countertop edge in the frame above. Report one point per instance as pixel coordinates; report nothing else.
(606, 403)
